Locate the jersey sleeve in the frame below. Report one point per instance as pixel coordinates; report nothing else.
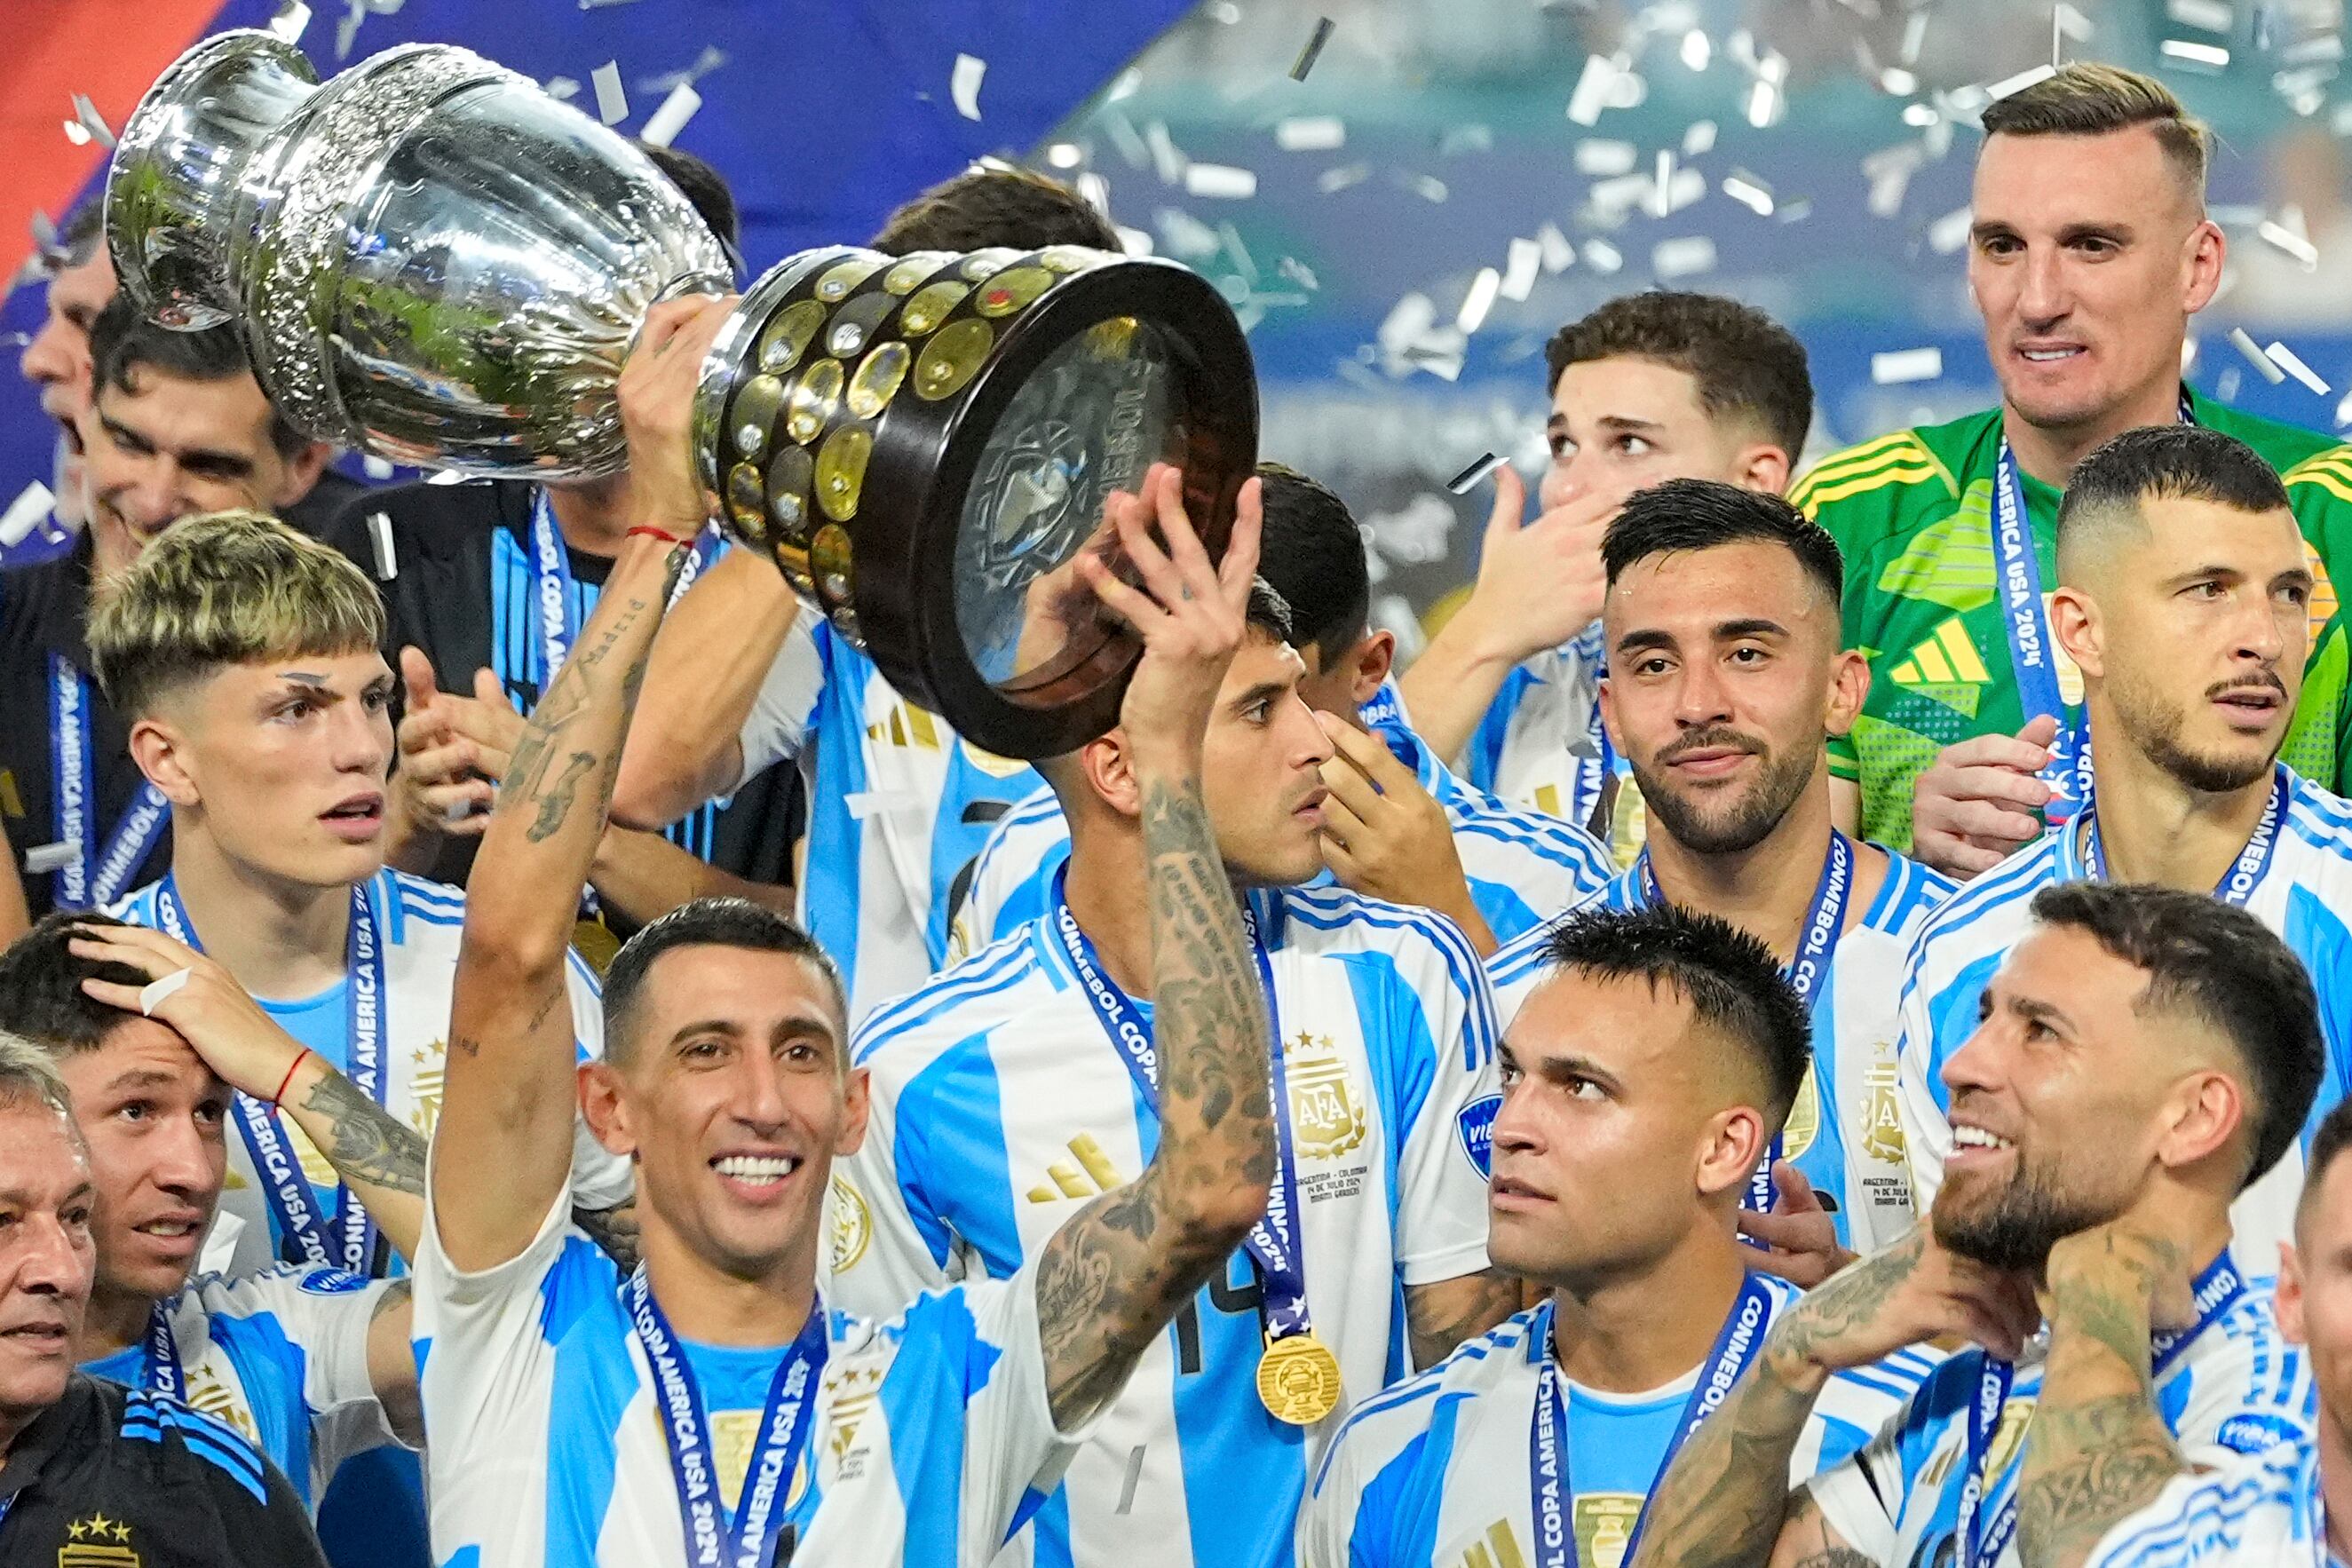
(2245, 1393)
(785, 707)
(2247, 1511)
(1861, 1497)
(600, 1178)
(1441, 1223)
(1327, 1520)
(1543, 712)
(1919, 1093)
(327, 1314)
(888, 1244)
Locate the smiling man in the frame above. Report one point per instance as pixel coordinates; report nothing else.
(2184, 598)
(2089, 251)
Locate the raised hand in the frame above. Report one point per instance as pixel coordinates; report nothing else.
(1386, 836)
(1979, 802)
(1909, 1293)
(1539, 582)
(1799, 1238)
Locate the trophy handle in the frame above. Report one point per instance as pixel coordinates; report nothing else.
(173, 191)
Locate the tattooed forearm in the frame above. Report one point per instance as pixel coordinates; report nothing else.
(555, 801)
(2097, 1451)
(614, 1230)
(1442, 1316)
(367, 1145)
(1111, 1279)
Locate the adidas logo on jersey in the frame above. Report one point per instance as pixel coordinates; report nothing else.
(1500, 1549)
(1092, 1175)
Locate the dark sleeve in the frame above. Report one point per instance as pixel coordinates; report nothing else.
(272, 1532)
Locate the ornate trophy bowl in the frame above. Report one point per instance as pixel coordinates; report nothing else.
(433, 261)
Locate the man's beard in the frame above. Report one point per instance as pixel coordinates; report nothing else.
(2016, 1230)
(2153, 722)
(1724, 826)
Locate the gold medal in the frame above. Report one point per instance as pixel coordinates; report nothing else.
(1299, 1380)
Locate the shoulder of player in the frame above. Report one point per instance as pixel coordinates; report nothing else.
(432, 518)
(1381, 1424)
(2286, 447)
(405, 897)
(1850, 491)
(2213, 1515)
(1338, 921)
(148, 1417)
(1910, 893)
(2011, 882)
(2319, 817)
(971, 996)
(269, 1291)
(1474, 812)
(1528, 952)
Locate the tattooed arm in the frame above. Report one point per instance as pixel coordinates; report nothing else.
(1110, 1280)
(504, 1137)
(1441, 1315)
(378, 1156)
(2098, 1451)
(1725, 1500)
(392, 1363)
(613, 1229)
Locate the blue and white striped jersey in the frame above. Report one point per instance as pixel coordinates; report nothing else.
(899, 806)
(421, 923)
(1540, 744)
(1435, 1470)
(2238, 1387)
(1848, 1143)
(2304, 897)
(999, 1108)
(1522, 866)
(281, 1356)
(2255, 1511)
(931, 1432)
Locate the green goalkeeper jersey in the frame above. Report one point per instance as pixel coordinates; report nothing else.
(1913, 514)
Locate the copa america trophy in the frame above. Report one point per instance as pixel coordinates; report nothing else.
(433, 261)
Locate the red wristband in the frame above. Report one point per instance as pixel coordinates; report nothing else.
(661, 533)
(288, 1080)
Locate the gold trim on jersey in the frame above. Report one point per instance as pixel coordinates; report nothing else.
(1326, 1121)
(1091, 1176)
(97, 1542)
(848, 1225)
(1867, 463)
(1804, 1122)
(1506, 1553)
(1907, 474)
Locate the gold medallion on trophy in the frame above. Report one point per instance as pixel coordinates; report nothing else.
(1299, 1380)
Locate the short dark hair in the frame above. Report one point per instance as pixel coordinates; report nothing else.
(1269, 612)
(1700, 515)
(2222, 965)
(981, 208)
(706, 923)
(2087, 99)
(41, 997)
(122, 340)
(1744, 362)
(705, 189)
(2334, 1136)
(1734, 985)
(1312, 553)
(2168, 462)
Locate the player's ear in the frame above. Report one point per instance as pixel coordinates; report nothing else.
(2075, 623)
(1109, 773)
(159, 748)
(1373, 657)
(1763, 466)
(855, 1103)
(601, 1105)
(1848, 689)
(1731, 1147)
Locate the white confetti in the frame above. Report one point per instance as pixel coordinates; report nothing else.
(1950, 232)
(1478, 300)
(76, 133)
(43, 858)
(445, 477)
(2190, 54)
(1134, 241)
(1683, 258)
(387, 558)
(1699, 139)
(612, 97)
(1095, 191)
(2344, 411)
(2244, 343)
(1594, 88)
(1221, 181)
(291, 19)
(1696, 49)
(1749, 192)
(1165, 158)
(963, 86)
(1764, 104)
(25, 513)
(1559, 254)
(2021, 81)
(2287, 360)
(1519, 271)
(1066, 154)
(376, 468)
(1602, 158)
(1898, 82)
(2293, 244)
(670, 118)
(1603, 257)
(1340, 178)
(1428, 187)
(2211, 15)
(1662, 192)
(92, 122)
(1310, 133)
(1889, 171)
(1903, 366)
(1467, 479)
(1314, 49)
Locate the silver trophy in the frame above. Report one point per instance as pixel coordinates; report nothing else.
(433, 261)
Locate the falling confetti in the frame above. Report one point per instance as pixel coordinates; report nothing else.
(2184, 52)
(387, 558)
(670, 118)
(1902, 365)
(2271, 370)
(1221, 182)
(25, 513)
(2021, 81)
(963, 86)
(1950, 232)
(2211, 15)
(1748, 191)
(1469, 478)
(291, 19)
(1603, 257)
(2291, 242)
(1684, 257)
(1306, 57)
(1478, 300)
(1559, 254)
(91, 123)
(1311, 133)
(612, 97)
(1602, 158)
(1520, 270)
(2287, 360)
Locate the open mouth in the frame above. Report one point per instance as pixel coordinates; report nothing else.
(175, 1232)
(356, 820)
(1972, 1145)
(756, 1175)
(2249, 707)
(2050, 354)
(49, 1338)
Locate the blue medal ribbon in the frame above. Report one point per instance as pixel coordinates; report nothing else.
(2216, 1290)
(713, 1540)
(1548, 1482)
(164, 1375)
(2245, 873)
(96, 874)
(1273, 1243)
(291, 1200)
(1816, 945)
(2032, 650)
